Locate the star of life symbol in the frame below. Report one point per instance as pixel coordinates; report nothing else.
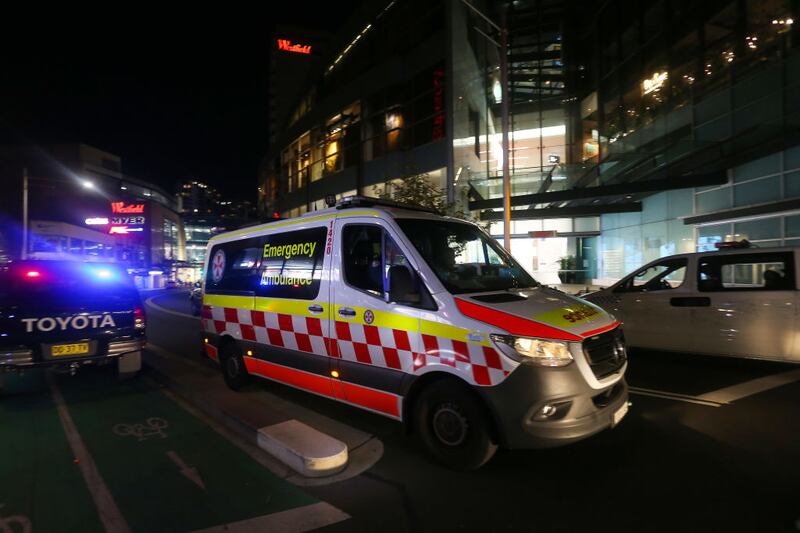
(218, 266)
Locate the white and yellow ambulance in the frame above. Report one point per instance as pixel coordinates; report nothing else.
(418, 317)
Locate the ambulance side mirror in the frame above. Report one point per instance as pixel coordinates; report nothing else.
(401, 285)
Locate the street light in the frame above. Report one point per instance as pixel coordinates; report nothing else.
(87, 184)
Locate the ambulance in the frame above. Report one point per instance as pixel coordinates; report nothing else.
(418, 317)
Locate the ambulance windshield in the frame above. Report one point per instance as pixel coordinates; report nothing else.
(464, 258)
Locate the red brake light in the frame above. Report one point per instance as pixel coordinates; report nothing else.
(32, 274)
(138, 318)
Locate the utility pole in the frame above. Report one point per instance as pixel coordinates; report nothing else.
(24, 254)
(505, 123)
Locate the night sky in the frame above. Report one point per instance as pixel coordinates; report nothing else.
(175, 97)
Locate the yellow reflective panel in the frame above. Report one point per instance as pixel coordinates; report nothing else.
(566, 317)
(447, 331)
(224, 300)
(290, 307)
(381, 319)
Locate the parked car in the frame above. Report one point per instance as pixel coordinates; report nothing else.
(69, 314)
(196, 298)
(738, 301)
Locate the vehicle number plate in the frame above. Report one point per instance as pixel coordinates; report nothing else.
(78, 348)
(619, 414)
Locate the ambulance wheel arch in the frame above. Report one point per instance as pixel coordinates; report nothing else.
(451, 419)
(231, 363)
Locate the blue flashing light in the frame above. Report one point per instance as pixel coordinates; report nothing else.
(103, 273)
(100, 273)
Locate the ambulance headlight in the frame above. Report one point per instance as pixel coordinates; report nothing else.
(540, 352)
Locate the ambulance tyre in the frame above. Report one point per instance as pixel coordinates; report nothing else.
(233, 369)
(453, 425)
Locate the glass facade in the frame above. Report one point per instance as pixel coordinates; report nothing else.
(598, 95)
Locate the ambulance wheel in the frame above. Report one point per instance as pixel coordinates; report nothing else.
(454, 425)
(233, 369)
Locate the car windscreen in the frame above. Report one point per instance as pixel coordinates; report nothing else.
(69, 284)
(463, 257)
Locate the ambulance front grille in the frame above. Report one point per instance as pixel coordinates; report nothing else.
(605, 353)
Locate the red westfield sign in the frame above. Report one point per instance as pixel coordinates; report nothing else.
(122, 207)
(286, 45)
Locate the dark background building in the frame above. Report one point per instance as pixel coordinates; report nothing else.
(637, 129)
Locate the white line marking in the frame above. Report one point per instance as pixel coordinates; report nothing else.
(749, 388)
(674, 396)
(189, 472)
(7, 524)
(151, 303)
(295, 520)
(107, 509)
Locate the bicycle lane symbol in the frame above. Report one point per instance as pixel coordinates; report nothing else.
(14, 524)
(153, 427)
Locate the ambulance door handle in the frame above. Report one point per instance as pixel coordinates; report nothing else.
(316, 308)
(346, 311)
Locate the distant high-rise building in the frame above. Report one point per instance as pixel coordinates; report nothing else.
(197, 197)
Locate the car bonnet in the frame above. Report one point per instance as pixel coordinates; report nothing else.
(539, 312)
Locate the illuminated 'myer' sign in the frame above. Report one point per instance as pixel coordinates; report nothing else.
(287, 46)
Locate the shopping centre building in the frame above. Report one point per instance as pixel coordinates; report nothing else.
(72, 201)
(636, 129)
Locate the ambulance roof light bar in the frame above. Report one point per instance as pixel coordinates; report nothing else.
(731, 245)
(368, 201)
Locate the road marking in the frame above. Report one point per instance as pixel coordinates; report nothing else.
(675, 396)
(749, 388)
(107, 509)
(151, 303)
(295, 520)
(153, 427)
(189, 472)
(9, 524)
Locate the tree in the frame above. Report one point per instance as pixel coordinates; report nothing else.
(417, 189)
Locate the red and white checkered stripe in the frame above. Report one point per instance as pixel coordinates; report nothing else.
(384, 347)
(293, 332)
(483, 363)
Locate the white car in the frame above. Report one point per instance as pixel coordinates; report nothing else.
(737, 302)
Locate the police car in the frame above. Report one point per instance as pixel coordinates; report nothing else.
(418, 317)
(736, 301)
(67, 314)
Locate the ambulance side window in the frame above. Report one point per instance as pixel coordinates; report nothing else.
(369, 254)
(291, 264)
(233, 266)
(361, 257)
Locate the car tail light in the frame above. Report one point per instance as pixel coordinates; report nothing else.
(32, 274)
(138, 318)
